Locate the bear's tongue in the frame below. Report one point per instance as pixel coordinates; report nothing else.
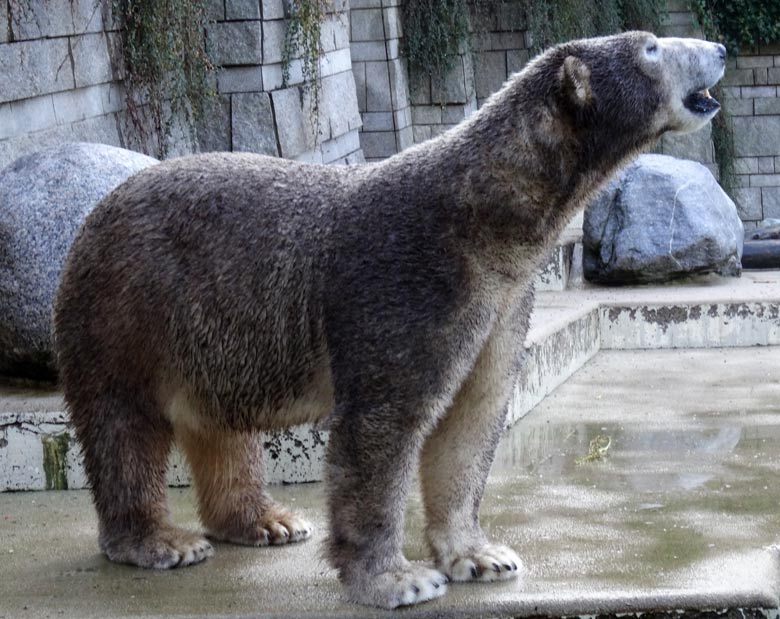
(701, 102)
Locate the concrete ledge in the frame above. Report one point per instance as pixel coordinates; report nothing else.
(567, 329)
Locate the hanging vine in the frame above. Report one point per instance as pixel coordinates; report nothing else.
(303, 40)
(166, 67)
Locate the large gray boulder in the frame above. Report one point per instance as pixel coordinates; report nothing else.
(44, 198)
(658, 219)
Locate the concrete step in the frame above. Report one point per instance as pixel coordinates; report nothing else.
(38, 451)
(677, 520)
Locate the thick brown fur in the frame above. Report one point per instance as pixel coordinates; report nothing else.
(215, 296)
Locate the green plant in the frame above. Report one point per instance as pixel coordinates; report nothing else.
(302, 39)
(740, 23)
(166, 65)
(434, 33)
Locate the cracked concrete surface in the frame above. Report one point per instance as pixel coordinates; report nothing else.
(679, 515)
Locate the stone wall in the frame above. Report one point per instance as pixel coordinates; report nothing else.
(753, 86)
(381, 77)
(61, 71)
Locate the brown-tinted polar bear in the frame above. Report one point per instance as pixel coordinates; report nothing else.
(214, 296)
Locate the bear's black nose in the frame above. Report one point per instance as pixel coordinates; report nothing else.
(721, 51)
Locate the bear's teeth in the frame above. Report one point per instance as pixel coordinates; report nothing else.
(706, 92)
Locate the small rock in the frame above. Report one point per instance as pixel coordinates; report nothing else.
(767, 230)
(44, 198)
(658, 219)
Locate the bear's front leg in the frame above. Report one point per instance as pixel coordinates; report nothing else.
(371, 456)
(456, 460)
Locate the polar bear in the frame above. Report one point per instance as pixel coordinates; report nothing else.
(214, 296)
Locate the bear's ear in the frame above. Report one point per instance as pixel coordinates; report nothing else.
(575, 80)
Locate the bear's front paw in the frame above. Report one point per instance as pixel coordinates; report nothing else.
(410, 585)
(491, 562)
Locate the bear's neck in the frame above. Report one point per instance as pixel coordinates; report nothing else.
(516, 177)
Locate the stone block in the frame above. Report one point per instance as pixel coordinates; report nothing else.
(404, 138)
(235, 43)
(751, 135)
(378, 96)
(766, 165)
(740, 107)
(516, 59)
(252, 123)
(35, 114)
(7, 121)
(112, 98)
(274, 33)
(765, 180)
(367, 25)
(393, 27)
(403, 118)
(685, 31)
(507, 40)
(511, 16)
(74, 105)
(773, 75)
(453, 114)
(4, 32)
(312, 156)
(91, 63)
(214, 128)
(748, 201)
(87, 16)
(334, 62)
(757, 92)
(115, 55)
(242, 9)
(35, 20)
(338, 105)
(273, 75)
(393, 49)
(420, 133)
(378, 121)
(32, 68)
(751, 62)
(760, 76)
(378, 144)
(368, 50)
(98, 130)
(767, 106)
(426, 114)
(273, 9)
(340, 146)
(420, 89)
(295, 130)
(215, 10)
(770, 198)
(399, 83)
(746, 165)
(738, 77)
(359, 72)
(696, 146)
(366, 4)
(454, 88)
(490, 72)
(240, 79)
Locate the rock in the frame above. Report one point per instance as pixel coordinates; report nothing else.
(44, 198)
(767, 230)
(658, 219)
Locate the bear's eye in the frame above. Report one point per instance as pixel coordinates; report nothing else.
(651, 51)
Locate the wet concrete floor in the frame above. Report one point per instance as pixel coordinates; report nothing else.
(678, 513)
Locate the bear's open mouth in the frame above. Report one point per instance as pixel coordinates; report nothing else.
(701, 102)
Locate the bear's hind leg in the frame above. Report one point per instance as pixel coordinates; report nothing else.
(227, 468)
(125, 444)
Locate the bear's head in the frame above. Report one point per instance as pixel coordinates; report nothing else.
(622, 92)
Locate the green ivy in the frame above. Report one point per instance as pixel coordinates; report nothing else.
(166, 65)
(434, 33)
(302, 39)
(740, 23)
